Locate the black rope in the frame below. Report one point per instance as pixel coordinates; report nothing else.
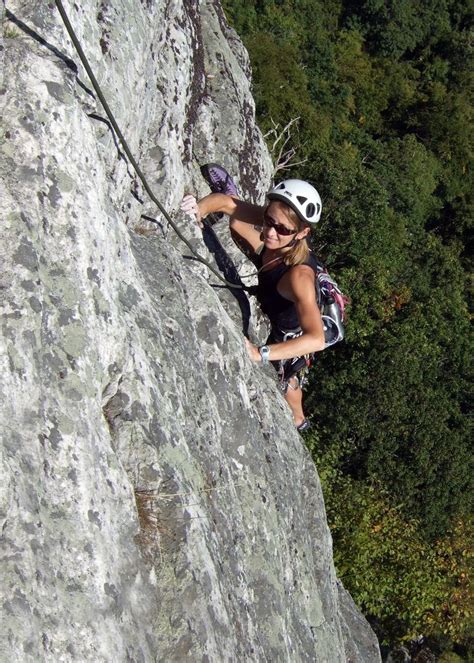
(127, 150)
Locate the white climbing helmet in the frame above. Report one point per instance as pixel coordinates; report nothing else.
(301, 197)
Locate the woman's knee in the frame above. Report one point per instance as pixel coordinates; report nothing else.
(294, 383)
(294, 393)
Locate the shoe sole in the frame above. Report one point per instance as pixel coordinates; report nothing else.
(222, 183)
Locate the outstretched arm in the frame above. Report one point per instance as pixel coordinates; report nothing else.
(244, 217)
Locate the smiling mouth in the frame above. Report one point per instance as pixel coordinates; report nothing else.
(272, 239)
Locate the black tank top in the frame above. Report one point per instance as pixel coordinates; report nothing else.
(281, 311)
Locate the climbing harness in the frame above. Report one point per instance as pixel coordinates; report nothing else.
(127, 150)
(297, 367)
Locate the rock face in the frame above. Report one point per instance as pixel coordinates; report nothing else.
(156, 503)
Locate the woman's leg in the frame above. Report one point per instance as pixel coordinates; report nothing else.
(243, 232)
(294, 398)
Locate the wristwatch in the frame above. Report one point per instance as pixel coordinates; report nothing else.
(265, 354)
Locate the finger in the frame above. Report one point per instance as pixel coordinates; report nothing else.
(188, 203)
(189, 209)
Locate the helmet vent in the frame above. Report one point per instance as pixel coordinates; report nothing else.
(310, 210)
(302, 199)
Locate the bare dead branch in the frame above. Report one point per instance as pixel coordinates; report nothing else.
(283, 158)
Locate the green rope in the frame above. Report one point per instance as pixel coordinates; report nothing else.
(127, 150)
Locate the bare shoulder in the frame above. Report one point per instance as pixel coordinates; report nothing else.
(298, 283)
(301, 271)
(300, 275)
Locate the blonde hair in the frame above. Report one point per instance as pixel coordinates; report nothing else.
(299, 252)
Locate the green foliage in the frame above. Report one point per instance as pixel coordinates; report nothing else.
(271, 103)
(405, 586)
(401, 391)
(450, 657)
(391, 572)
(384, 92)
(394, 28)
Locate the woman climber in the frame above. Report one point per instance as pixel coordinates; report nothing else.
(274, 238)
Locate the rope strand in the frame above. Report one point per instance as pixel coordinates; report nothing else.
(127, 150)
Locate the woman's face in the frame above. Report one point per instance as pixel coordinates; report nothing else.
(278, 229)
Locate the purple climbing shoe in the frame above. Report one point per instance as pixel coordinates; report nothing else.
(219, 179)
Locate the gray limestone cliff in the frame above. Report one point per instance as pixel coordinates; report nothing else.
(156, 503)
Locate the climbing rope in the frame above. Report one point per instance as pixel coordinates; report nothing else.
(127, 150)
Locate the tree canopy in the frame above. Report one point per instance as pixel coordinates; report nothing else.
(383, 93)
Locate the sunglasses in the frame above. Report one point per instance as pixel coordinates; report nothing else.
(278, 227)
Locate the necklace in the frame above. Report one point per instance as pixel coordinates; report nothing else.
(246, 276)
(269, 263)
